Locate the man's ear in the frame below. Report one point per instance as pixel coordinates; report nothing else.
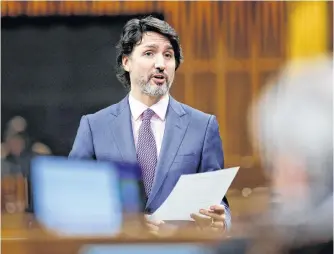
(125, 63)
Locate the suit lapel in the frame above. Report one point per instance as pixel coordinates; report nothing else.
(121, 128)
(176, 125)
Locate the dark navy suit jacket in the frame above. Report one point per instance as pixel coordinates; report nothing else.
(191, 144)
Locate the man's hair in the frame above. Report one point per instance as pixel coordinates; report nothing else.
(295, 116)
(132, 35)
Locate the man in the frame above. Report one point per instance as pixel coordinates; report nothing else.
(149, 127)
(292, 124)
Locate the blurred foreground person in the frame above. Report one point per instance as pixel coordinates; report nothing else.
(292, 129)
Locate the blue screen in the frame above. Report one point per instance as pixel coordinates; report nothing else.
(75, 197)
(146, 249)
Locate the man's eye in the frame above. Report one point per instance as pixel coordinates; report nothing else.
(169, 55)
(149, 53)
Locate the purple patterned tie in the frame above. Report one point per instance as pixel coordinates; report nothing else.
(147, 150)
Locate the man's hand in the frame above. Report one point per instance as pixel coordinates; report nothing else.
(213, 219)
(153, 226)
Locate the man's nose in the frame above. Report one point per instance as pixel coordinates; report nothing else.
(160, 63)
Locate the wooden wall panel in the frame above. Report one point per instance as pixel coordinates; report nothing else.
(178, 87)
(238, 34)
(204, 86)
(272, 26)
(238, 97)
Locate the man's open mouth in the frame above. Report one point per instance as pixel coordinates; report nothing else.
(159, 76)
(159, 79)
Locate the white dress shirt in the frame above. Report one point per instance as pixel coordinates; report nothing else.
(158, 121)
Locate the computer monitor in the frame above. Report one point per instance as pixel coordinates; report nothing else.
(83, 197)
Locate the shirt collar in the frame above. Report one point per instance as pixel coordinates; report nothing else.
(137, 108)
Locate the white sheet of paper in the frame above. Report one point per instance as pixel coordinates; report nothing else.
(194, 192)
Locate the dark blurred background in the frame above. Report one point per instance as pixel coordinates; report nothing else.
(55, 69)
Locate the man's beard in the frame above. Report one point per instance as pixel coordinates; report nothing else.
(154, 90)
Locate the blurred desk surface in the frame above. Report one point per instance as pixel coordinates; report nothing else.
(20, 234)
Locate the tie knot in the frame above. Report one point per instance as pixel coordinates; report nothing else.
(147, 114)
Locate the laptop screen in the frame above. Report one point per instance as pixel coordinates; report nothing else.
(75, 197)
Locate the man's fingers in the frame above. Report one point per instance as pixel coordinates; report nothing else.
(201, 221)
(153, 226)
(215, 216)
(152, 221)
(155, 223)
(198, 217)
(218, 225)
(219, 209)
